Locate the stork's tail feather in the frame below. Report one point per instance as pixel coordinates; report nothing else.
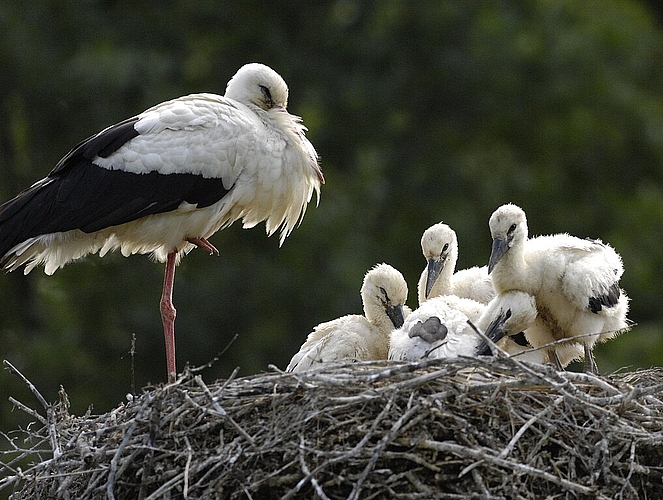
(19, 217)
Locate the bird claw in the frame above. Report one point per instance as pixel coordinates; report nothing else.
(203, 243)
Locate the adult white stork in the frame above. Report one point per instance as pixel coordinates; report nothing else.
(440, 327)
(439, 245)
(165, 180)
(575, 282)
(355, 337)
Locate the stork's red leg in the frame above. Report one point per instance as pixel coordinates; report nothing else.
(168, 314)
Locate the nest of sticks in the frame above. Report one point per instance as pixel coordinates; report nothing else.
(469, 428)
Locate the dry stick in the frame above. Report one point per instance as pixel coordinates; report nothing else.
(307, 471)
(509, 447)
(483, 454)
(247, 493)
(209, 364)
(27, 410)
(187, 467)
(159, 492)
(52, 431)
(565, 387)
(489, 341)
(110, 482)
(478, 480)
(217, 407)
(356, 490)
(132, 353)
(277, 473)
(354, 451)
(569, 340)
(12, 369)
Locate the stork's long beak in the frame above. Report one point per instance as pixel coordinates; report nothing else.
(495, 332)
(395, 314)
(500, 247)
(434, 269)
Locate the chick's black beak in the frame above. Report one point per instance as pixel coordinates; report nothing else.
(434, 269)
(500, 247)
(396, 315)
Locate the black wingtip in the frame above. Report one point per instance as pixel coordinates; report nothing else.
(610, 299)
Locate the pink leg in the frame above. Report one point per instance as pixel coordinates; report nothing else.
(168, 314)
(203, 243)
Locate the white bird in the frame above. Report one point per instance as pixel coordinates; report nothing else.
(440, 327)
(355, 337)
(439, 245)
(575, 282)
(167, 179)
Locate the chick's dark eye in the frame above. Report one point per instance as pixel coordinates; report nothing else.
(385, 297)
(445, 247)
(267, 95)
(512, 228)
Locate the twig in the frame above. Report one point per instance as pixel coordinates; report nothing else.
(110, 482)
(509, 447)
(217, 407)
(187, 467)
(356, 490)
(307, 472)
(27, 410)
(484, 454)
(12, 369)
(50, 416)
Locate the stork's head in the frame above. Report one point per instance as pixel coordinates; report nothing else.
(258, 85)
(440, 248)
(508, 226)
(384, 291)
(521, 308)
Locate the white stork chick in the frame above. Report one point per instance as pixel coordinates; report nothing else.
(575, 282)
(440, 327)
(522, 312)
(515, 312)
(439, 245)
(355, 337)
(167, 179)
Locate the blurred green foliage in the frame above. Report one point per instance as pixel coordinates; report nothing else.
(425, 111)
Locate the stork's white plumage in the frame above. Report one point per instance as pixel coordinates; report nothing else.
(439, 245)
(514, 312)
(355, 337)
(440, 327)
(165, 180)
(575, 282)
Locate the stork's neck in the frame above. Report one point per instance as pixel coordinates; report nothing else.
(511, 272)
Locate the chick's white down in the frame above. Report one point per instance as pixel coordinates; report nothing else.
(441, 328)
(439, 245)
(575, 283)
(355, 337)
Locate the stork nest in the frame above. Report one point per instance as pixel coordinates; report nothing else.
(469, 428)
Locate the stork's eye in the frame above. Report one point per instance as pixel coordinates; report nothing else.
(267, 95)
(445, 247)
(512, 228)
(385, 297)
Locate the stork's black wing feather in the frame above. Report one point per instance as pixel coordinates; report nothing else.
(102, 144)
(609, 299)
(79, 194)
